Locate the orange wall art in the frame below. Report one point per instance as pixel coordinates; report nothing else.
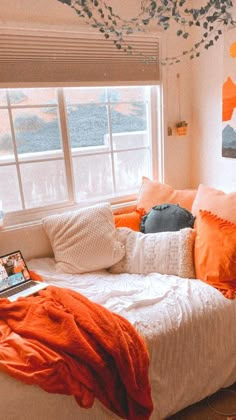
(229, 97)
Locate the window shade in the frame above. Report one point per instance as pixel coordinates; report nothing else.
(55, 57)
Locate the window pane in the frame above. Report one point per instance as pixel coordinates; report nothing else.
(36, 129)
(128, 94)
(44, 183)
(85, 95)
(130, 120)
(93, 176)
(3, 99)
(27, 97)
(130, 140)
(88, 125)
(9, 189)
(129, 169)
(110, 141)
(6, 145)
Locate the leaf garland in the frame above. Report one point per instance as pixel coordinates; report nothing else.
(212, 18)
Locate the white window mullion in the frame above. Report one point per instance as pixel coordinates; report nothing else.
(111, 143)
(66, 145)
(154, 109)
(105, 152)
(15, 151)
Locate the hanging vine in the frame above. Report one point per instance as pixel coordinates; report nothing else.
(211, 18)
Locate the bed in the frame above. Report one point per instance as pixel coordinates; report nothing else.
(188, 327)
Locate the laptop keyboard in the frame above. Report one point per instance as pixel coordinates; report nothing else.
(17, 289)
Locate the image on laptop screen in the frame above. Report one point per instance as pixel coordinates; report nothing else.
(13, 270)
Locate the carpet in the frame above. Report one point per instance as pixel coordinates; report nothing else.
(219, 406)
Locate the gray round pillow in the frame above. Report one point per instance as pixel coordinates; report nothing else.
(166, 218)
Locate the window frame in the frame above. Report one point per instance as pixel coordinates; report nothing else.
(154, 127)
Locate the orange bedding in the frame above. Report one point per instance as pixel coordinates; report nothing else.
(67, 344)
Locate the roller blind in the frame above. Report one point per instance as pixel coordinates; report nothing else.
(55, 57)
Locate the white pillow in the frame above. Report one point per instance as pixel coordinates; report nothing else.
(163, 252)
(84, 240)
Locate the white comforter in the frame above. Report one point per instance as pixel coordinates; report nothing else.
(189, 328)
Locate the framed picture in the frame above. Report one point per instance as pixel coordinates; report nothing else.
(229, 97)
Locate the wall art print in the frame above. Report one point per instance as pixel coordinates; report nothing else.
(229, 97)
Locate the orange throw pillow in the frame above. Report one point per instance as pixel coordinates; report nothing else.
(215, 252)
(216, 201)
(153, 193)
(130, 220)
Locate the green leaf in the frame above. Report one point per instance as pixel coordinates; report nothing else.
(153, 5)
(66, 2)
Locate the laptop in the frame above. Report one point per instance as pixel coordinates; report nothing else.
(15, 278)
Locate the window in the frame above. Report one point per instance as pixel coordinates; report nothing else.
(61, 146)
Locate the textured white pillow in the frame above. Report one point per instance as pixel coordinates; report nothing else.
(84, 240)
(164, 253)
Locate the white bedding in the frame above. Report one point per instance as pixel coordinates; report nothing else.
(189, 328)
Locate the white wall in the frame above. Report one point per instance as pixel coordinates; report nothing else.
(177, 106)
(208, 166)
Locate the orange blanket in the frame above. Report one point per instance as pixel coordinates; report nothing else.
(67, 344)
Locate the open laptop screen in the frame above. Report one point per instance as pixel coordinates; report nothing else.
(13, 270)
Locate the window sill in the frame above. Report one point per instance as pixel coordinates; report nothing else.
(31, 217)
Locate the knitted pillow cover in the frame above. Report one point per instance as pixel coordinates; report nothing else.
(84, 240)
(164, 253)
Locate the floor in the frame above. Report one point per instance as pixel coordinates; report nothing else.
(219, 406)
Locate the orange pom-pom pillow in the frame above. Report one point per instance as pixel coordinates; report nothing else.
(215, 252)
(130, 220)
(153, 193)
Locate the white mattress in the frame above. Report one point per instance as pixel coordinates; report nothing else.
(189, 328)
